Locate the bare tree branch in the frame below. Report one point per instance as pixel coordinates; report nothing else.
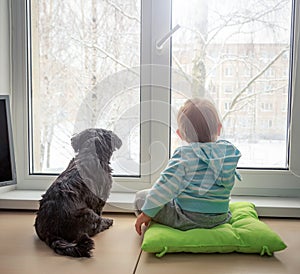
(252, 80)
(110, 56)
(232, 20)
(122, 12)
(185, 75)
(260, 92)
(235, 110)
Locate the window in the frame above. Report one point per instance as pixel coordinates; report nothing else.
(227, 106)
(83, 60)
(269, 89)
(249, 26)
(266, 124)
(270, 73)
(91, 46)
(228, 89)
(266, 106)
(228, 72)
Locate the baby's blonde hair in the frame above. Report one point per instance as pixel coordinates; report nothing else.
(198, 121)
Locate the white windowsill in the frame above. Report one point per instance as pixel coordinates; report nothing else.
(123, 202)
(29, 199)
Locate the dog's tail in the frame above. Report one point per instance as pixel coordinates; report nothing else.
(80, 248)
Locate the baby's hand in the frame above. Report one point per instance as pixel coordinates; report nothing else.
(141, 219)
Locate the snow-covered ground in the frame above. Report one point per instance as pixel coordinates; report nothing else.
(261, 154)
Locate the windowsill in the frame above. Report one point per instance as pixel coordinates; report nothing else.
(29, 200)
(123, 202)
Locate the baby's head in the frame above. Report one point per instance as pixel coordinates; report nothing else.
(198, 121)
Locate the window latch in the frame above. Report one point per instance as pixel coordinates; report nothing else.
(160, 44)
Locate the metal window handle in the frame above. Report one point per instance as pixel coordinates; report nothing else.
(160, 44)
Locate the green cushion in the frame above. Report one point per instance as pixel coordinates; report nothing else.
(244, 233)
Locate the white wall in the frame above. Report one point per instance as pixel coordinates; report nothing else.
(5, 86)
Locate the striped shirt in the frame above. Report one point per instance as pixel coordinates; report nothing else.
(199, 178)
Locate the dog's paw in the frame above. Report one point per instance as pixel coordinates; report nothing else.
(106, 223)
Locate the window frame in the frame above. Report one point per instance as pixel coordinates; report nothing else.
(156, 102)
(282, 182)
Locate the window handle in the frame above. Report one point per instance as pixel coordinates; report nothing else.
(160, 44)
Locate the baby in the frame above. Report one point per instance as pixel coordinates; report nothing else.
(194, 189)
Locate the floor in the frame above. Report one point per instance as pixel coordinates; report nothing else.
(117, 251)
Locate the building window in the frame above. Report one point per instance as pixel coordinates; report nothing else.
(228, 72)
(227, 106)
(266, 106)
(228, 89)
(266, 124)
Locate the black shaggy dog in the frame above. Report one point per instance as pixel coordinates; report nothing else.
(70, 210)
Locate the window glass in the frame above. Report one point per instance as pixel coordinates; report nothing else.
(83, 54)
(236, 52)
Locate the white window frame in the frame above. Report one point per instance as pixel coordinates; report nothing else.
(266, 106)
(150, 100)
(155, 114)
(228, 71)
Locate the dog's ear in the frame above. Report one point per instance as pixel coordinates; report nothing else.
(116, 141)
(76, 141)
(79, 139)
(103, 150)
(106, 143)
(112, 140)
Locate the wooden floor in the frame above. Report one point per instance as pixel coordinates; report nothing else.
(117, 251)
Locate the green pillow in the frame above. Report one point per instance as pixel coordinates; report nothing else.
(244, 233)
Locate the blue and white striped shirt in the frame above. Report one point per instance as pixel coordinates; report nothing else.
(199, 178)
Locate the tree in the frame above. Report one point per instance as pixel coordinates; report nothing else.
(230, 38)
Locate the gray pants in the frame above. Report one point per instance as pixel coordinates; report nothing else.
(172, 215)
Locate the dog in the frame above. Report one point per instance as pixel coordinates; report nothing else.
(70, 212)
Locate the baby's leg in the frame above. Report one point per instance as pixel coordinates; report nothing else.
(139, 201)
(172, 215)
